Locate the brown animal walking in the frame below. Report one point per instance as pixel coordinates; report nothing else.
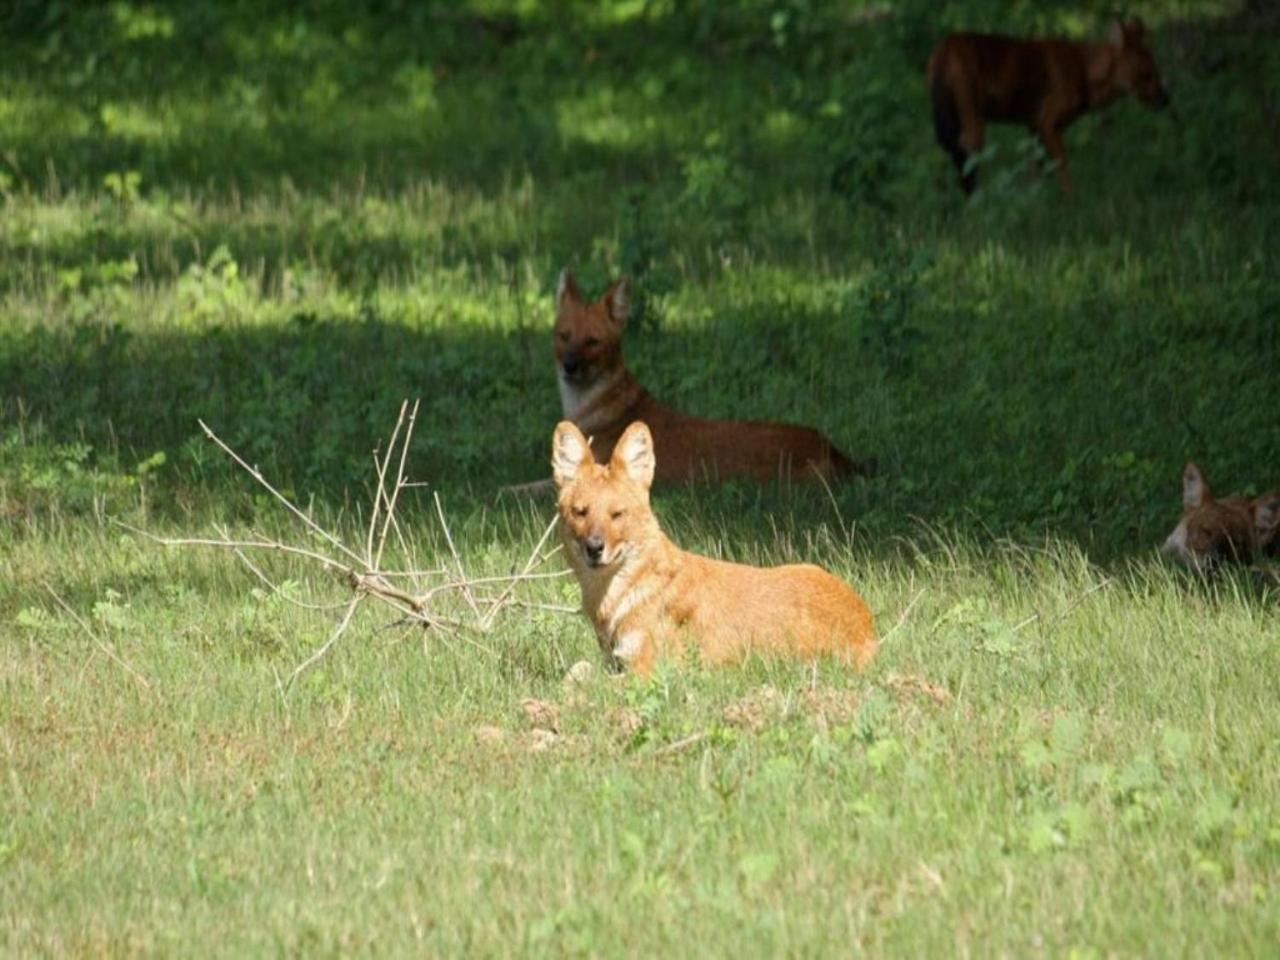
(647, 599)
(1045, 84)
(601, 396)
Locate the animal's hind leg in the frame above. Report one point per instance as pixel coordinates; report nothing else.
(960, 159)
(948, 126)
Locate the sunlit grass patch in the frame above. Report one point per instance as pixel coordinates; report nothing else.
(284, 222)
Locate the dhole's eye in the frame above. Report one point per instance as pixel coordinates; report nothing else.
(592, 342)
(562, 336)
(579, 511)
(617, 514)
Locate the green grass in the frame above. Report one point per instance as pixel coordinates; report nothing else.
(286, 223)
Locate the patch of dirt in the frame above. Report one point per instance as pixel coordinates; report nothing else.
(756, 710)
(541, 714)
(624, 722)
(829, 706)
(905, 687)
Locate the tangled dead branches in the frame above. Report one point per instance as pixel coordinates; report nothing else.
(417, 594)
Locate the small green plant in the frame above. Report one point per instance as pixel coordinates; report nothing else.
(884, 306)
(124, 186)
(639, 257)
(715, 185)
(213, 289)
(864, 132)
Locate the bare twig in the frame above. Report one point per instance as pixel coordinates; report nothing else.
(1101, 584)
(457, 560)
(105, 648)
(844, 531)
(380, 466)
(318, 655)
(405, 548)
(533, 560)
(478, 581)
(229, 544)
(395, 492)
(296, 511)
(275, 588)
(413, 592)
(902, 617)
(412, 574)
(532, 605)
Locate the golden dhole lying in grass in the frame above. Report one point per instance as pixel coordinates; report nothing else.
(648, 599)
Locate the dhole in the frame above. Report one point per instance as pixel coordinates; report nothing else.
(601, 396)
(647, 598)
(1045, 84)
(1214, 531)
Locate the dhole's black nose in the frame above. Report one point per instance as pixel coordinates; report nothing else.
(593, 547)
(571, 364)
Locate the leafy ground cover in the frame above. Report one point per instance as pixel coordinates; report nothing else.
(286, 220)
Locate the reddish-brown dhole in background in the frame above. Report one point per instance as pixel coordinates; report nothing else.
(1213, 531)
(647, 599)
(601, 396)
(1045, 84)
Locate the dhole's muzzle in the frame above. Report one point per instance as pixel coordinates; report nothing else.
(574, 368)
(593, 550)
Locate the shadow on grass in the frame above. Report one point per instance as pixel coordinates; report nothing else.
(222, 99)
(1001, 436)
(307, 399)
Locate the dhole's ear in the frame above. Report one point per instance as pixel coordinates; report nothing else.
(1195, 490)
(617, 299)
(634, 454)
(1266, 516)
(1116, 33)
(567, 289)
(569, 453)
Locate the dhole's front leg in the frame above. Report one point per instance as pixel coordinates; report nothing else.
(1051, 137)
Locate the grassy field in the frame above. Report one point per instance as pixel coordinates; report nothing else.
(285, 222)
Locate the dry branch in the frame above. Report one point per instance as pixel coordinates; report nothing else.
(362, 573)
(98, 642)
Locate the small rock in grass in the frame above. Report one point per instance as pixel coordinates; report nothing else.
(625, 721)
(541, 714)
(580, 672)
(541, 740)
(755, 711)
